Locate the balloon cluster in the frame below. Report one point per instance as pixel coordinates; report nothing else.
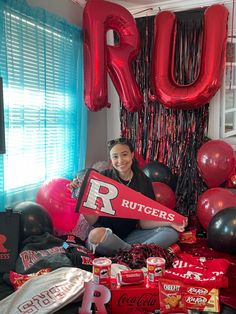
(213, 201)
(216, 207)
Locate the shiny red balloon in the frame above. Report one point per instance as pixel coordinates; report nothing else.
(211, 202)
(194, 95)
(164, 194)
(140, 160)
(231, 182)
(55, 197)
(99, 58)
(215, 162)
(232, 190)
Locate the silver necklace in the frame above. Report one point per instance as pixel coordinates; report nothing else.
(124, 181)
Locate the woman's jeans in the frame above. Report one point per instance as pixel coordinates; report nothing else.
(162, 236)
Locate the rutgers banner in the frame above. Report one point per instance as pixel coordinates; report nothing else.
(103, 196)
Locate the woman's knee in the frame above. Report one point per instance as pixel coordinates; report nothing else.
(164, 237)
(111, 244)
(170, 236)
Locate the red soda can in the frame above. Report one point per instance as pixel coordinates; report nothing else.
(102, 270)
(155, 268)
(130, 277)
(174, 249)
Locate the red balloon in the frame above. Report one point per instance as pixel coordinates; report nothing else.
(55, 197)
(211, 202)
(215, 162)
(231, 182)
(232, 190)
(194, 95)
(164, 194)
(140, 160)
(98, 18)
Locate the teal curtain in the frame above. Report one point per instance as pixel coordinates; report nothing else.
(41, 64)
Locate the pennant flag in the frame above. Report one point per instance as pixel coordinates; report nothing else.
(103, 196)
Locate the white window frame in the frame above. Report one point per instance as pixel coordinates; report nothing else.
(218, 108)
(224, 88)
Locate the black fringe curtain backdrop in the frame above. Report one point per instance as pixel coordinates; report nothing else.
(166, 135)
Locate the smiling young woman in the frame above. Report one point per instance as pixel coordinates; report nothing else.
(111, 234)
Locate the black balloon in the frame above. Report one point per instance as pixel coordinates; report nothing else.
(158, 172)
(34, 220)
(221, 232)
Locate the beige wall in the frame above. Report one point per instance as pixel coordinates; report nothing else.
(71, 11)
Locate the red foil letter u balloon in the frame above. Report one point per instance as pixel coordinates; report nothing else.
(100, 58)
(198, 93)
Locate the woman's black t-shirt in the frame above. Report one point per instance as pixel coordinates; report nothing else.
(123, 226)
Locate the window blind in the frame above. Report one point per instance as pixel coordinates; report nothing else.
(45, 118)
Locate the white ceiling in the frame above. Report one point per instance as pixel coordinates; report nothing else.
(126, 3)
(151, 7)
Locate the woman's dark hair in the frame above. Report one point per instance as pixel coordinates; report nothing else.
(124, 141)
(120, 140)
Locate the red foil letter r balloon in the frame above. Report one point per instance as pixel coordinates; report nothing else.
(192, 96)
(99, 17)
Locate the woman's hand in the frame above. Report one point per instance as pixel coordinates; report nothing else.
(151, 224)
(74, 184)
(178, 227)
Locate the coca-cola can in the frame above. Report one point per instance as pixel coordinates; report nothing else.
(174, 249)
(102, 270)
(155, 268)
(130, 277)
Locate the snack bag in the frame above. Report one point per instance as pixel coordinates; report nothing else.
(189, 237)
(17, 280)
(171, 296)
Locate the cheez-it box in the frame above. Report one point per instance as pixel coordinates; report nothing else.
(126, 299)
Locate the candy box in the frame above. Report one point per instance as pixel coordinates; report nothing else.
(128, 298)
(202, 299)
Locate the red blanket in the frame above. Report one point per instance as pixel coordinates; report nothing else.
(200, 248)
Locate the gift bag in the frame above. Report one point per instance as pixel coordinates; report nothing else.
(9, 239)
